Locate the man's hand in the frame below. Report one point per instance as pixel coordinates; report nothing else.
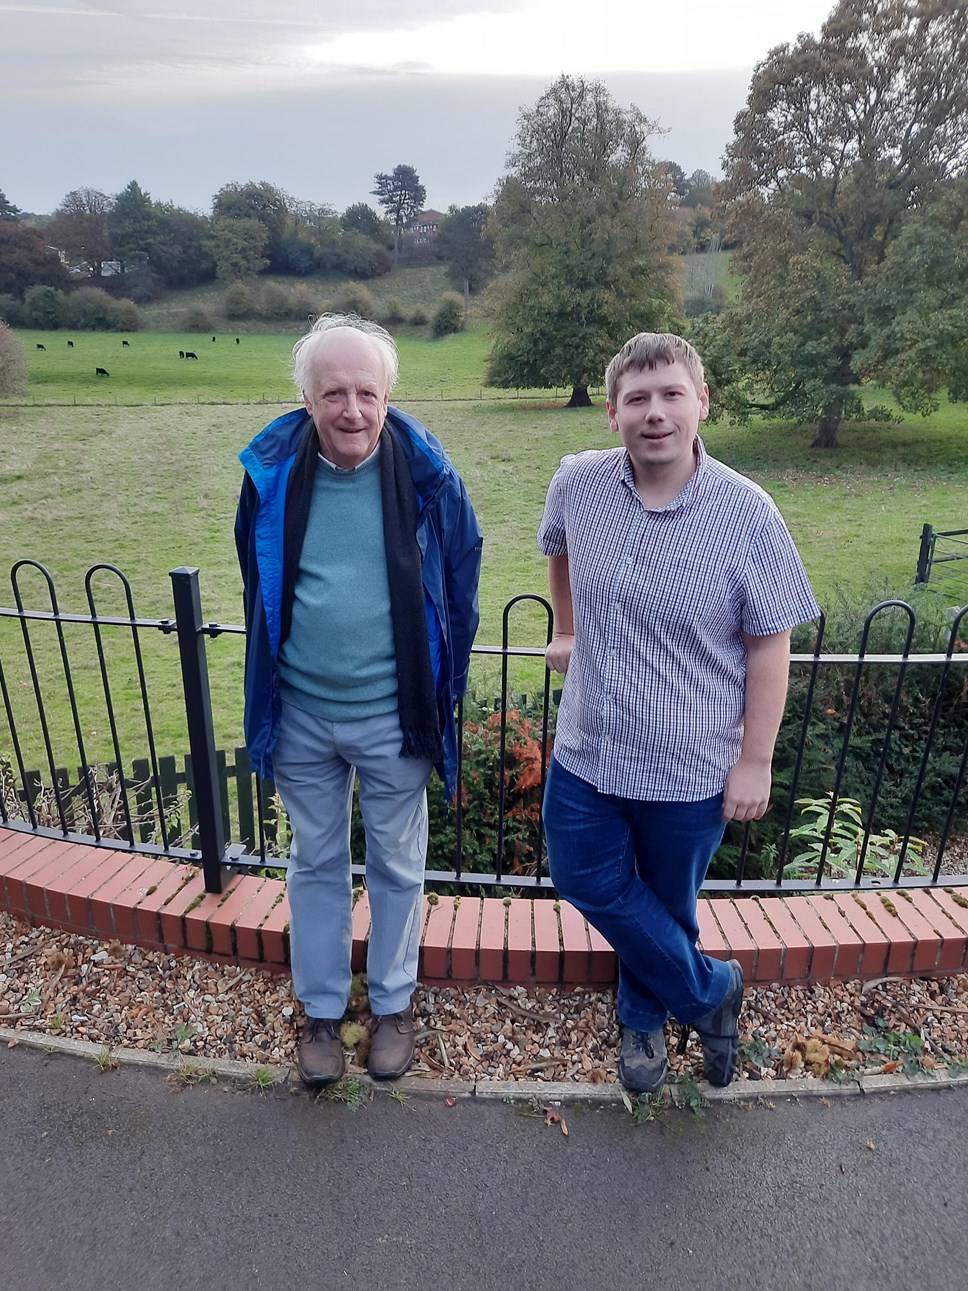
(558, 652)
(747, 792)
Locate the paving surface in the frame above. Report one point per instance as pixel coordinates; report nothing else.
(114, 1181)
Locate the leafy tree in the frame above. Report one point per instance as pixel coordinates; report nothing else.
(917, 304)
(362, 218)
(13, 365)
(237, 245)
(263, 202)
(133, 224)
(449, 315)
(698, 189)
(352, 253)
(80, 229)
(26, 260)
(91, 309)
(7, 209)
(44, 307)
(676, 177)
(181, 256)
(583, 231)
(401, 195)
(465, 242)
(842, 135)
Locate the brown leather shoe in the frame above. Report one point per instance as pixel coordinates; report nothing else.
(319, 1055)
(391, 1049)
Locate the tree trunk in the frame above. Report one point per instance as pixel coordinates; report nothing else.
(579, 398)
(827, 427)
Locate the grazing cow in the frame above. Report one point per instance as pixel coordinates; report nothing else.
(70, 345)
(181, 354)
(213, 338)
(125, 342)
(101, 372)
(190, 354)
(41, 347)
(237, 341)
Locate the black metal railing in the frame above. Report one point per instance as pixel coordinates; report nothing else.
(872, 751)
(943, 562)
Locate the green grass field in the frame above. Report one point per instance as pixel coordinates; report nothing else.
(148, 369)
(148, 484)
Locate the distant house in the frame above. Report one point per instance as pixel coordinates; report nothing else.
(424, 227)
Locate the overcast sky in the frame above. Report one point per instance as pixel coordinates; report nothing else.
(316, 96)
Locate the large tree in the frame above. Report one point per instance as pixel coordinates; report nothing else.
(402, 196)
(583, 230)
(237, 246)
(842, 135)
(7, 209)
(181, 256)
(257, 201)
(26, 259)
(133, 224)
(464, 241)
(362, 218)
(917, 304)
(80, 229)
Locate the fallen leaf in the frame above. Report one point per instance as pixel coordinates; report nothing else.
(870, 1145)
(12, 1044)
(825, 1102)
(890, 1067)
(450, 1102)
(553, 1117)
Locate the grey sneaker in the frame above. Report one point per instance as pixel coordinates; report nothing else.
(643, 1065)
(319, 1055)
(719, 1032)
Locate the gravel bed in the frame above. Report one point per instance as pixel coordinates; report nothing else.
(121, 996)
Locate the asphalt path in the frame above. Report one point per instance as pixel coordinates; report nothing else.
(115, 1181)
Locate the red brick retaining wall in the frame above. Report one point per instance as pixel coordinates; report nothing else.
(164, 906)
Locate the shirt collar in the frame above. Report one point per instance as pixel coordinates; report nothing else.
(367, 464)
(690, 489)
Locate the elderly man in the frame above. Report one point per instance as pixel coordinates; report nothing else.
(360, 554)
(675, 586)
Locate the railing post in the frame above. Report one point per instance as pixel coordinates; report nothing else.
(924, 554)
(201, 733)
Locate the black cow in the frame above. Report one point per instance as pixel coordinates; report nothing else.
(213, 338)
(237, 341)
(70, 345)
(41, 347)
(190, 354)
(181, 354)
(125, 342)
(101, 372)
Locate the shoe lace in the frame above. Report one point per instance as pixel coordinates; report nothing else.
(641, 1042)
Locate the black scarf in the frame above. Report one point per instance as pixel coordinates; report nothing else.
(416, 698)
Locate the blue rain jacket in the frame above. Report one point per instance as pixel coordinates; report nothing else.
(449, 538)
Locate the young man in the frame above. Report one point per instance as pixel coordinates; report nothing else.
(675, 586)
(360, 553)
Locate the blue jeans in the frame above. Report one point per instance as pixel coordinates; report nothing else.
(634, 870)
(315, 764)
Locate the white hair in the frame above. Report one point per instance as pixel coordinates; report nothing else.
(304, 351)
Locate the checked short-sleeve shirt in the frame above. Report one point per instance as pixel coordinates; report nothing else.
(653, 700)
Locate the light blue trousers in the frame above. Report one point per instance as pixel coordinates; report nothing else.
(315, 763)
